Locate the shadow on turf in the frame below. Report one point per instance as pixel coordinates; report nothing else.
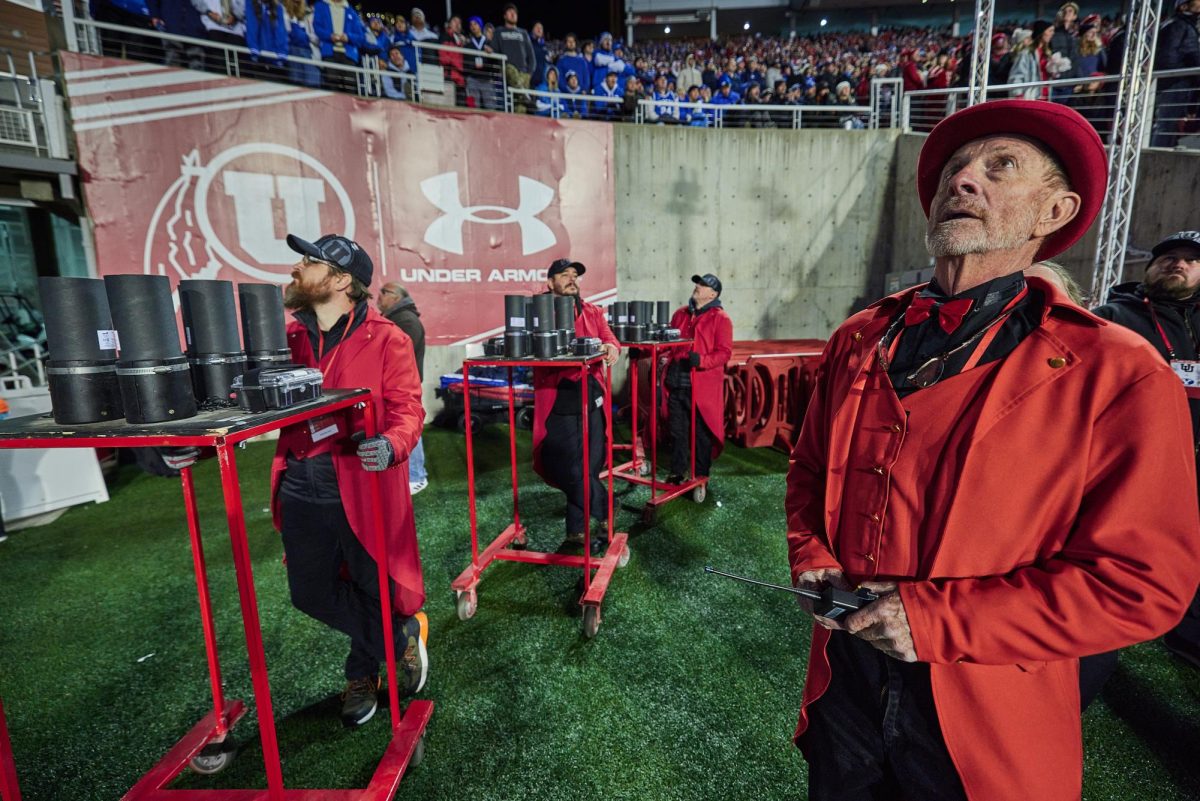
(1166, 733)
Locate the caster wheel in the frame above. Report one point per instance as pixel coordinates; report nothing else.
(625, 555)
(649, 514)
(519, 541)
(591, 621)
(468, 602)
(476, 422)
(525, 418)
(700, 493)
(644, 469)
(418, 753)
(213, 758)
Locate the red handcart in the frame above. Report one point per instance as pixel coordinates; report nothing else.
(637, 471)
(203, 748)
(508, 546)
(9, 791)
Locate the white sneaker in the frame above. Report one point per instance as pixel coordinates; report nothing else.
(416, 486)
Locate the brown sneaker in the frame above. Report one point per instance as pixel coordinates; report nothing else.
(414, 662)
(360, 699)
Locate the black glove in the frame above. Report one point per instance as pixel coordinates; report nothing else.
(694, 359)
(376, 454)
(179, 458)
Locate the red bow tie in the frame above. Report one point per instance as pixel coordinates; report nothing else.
(950, 312)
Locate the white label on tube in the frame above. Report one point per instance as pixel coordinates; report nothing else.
(516, 322)
(622, 319)
(187, 329)
(108, 340)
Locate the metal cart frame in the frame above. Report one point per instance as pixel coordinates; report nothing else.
(224, 429)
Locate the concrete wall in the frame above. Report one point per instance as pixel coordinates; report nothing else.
(1166, 201)
(795, 223)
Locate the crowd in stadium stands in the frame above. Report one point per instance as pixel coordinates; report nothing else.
(602, 78)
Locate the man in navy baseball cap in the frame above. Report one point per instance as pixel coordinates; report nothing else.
(322, 498)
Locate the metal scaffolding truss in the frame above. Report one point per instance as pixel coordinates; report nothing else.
(1131, 117)
(981, 54)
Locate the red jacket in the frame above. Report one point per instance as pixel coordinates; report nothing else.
(1070, 527)
(377, 356)
(713, 334)
(590, 321)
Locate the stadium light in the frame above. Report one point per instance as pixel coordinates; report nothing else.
(824, 22)
(746, 27)
(667, 29)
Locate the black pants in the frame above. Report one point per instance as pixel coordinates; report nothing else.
(340, 80)
(874, 734)
(318, 540)
(1094, 672)
(562, 452)
(679, 422)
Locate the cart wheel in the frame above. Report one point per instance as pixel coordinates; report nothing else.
(418, 753)
(468, 602)
(213, 758)
(624, 558)
(591, 621)
(476, 422)
(700, 493)
(649, 513)
(520, 541)
(525, 418)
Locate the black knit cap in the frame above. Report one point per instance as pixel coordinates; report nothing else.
(344, 254)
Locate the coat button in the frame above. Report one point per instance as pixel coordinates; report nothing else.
(875, 518)
(877, 469)
(1057, 362)
(858, 336)
(868, 557)
(896, 428)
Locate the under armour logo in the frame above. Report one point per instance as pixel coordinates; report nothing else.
(445, 232)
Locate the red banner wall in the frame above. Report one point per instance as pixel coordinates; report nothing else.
(193, 175)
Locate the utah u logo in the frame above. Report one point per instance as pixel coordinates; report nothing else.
(446, 232)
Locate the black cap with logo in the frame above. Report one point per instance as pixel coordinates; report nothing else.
(344, 254)
(562, 265)
(709, 280)
(1191, 238)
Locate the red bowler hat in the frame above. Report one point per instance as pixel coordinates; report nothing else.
(1061, 129)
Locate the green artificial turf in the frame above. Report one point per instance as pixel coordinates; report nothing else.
(689, 692)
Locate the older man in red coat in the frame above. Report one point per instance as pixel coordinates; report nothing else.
(558, 411)
(1013, 474)
(320, 489)
(701, 371)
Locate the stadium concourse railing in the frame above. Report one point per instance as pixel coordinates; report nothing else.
(1175, 122)
(441, 75)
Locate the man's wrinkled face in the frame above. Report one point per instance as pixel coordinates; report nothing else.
(1175, 274)
(703, 295)
(565, 283)
(989, 197)
(312, 284)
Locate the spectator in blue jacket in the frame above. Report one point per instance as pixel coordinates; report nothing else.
(397, 77)
(663, 96)
(725, 95)
(588, 52)
(537, 35)
(402, 35)
(608, 88)
(376, 39)
(180, 19)
(302, 43)
(575, 107)
(695, 115)
(266, 32)
(549, 106)
(571, 61)
(601, 59)
(340, 35)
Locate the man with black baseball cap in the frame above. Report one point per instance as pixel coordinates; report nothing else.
(701, 371)
(320, 491)
(1164, 308)
(558, 414)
